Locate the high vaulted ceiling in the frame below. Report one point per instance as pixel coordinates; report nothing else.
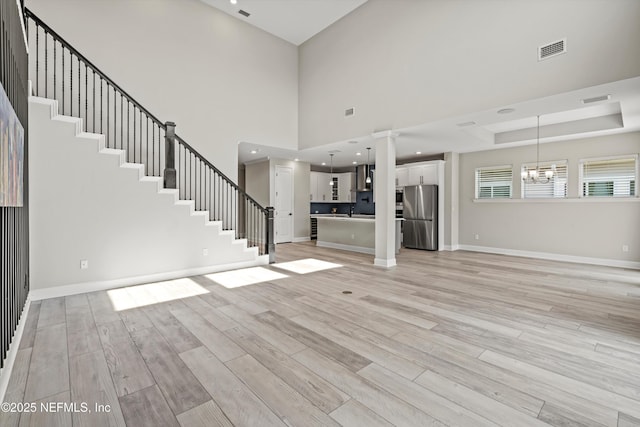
(562, 117)
(295, 21)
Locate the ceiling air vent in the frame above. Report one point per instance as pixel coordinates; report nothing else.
(552, 49)
(349, 112)
(244, 13)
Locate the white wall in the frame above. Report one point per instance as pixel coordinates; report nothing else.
(221, 80)
(256, 179)
(406, 62)
(588, 228)
(84, 206)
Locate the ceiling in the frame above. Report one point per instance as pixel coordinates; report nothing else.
(295, 21)
(562, 117)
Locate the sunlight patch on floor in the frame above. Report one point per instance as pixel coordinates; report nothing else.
(304, 266)
(245, 276)
(153, 293)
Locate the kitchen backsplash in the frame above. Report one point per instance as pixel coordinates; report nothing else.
(364, 205)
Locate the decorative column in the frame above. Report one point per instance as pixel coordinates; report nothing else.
(384, 187)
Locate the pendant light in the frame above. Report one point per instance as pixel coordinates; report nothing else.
(368, 180)
(533, 176)
(331, 160)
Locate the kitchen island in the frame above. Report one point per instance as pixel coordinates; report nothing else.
(356, 233)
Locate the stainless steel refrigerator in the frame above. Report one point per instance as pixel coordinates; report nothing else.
(420, 209)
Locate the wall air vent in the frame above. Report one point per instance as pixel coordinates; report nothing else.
(596, 99)
(244, 13)
(552, 49)
(349, 112)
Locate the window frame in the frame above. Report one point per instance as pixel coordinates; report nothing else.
(477, 182)
(581, 181)
(563, 162)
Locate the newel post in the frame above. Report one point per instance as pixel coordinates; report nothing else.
(271, 245)
(170, 155)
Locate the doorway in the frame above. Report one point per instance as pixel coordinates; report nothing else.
(284, 205)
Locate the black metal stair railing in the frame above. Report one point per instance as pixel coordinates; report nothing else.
(58, 71)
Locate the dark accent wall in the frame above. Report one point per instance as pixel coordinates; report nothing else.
(14, 221)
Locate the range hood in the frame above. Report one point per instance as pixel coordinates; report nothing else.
(362, 177)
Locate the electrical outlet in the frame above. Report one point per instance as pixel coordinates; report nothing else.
(477, 237)
(84, 264)
(205, 252)
(353, 236)
(625, 248)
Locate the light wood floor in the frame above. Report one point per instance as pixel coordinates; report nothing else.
(451, 338)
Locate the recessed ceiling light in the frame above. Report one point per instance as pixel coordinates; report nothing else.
(358, 153)
(254, 151)
(354, 163)
(418, 152)
(234, 1)
(324, 164)
(296, 160)
(471, 123)
(506, 111)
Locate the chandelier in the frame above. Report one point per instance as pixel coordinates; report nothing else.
(533, 176)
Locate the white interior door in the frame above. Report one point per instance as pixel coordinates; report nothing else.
(284, 205)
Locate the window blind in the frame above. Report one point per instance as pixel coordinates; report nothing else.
(556, 187)
(494, 182)
(609, 178)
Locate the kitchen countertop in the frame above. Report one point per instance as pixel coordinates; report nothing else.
(352, 218)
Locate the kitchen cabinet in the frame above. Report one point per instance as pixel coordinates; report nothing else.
(319, 187)
(346, 187)
(341, 192)
(402, 177)
(423, 174)
(417, 174)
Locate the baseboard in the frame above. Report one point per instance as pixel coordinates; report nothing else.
(554, 257)
(301, 239)
(450, 247)
(360, 249)
(385, 263)
(80, 288)
(5, 373)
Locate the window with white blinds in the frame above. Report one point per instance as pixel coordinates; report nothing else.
(555, 188)
(615, 177)
(494, 182)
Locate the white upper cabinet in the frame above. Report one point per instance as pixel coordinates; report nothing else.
(319, 186)
(417, 174)
(402, 177)
(341, 192)
(346, 187)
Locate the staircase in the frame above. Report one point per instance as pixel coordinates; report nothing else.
(117, 197)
